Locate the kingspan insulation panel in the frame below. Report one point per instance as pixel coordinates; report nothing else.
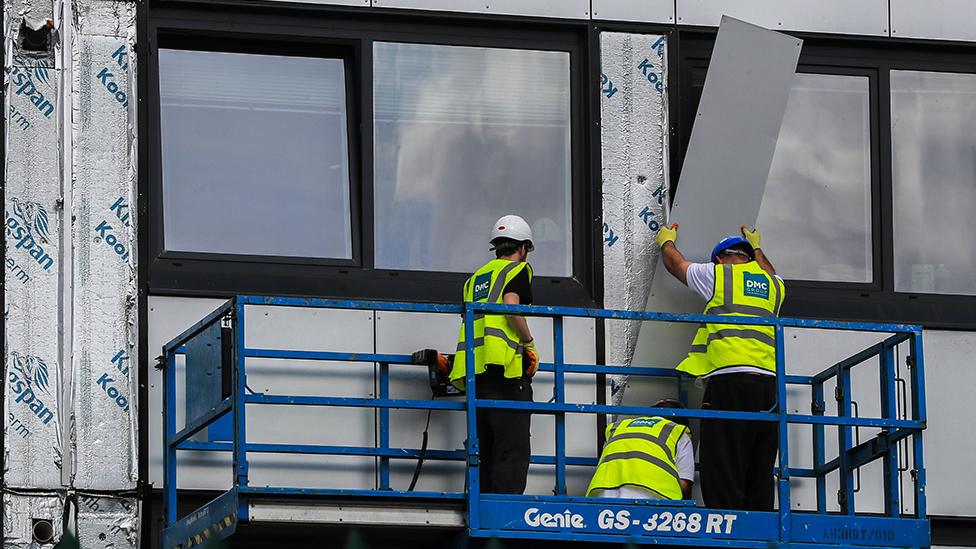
(105, 521)
(104, 267)
(33, 267)
(70, 316)
(20, 513)
(725, 169)
(634, 126)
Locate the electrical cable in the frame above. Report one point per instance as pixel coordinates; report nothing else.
(423, 453)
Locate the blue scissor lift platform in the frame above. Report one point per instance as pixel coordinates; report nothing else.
(219, 352)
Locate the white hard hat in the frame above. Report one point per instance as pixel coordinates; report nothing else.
(514, 228)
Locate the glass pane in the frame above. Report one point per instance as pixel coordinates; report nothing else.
(463, 136)
(933, 162)
(816, 214)
(254, 154)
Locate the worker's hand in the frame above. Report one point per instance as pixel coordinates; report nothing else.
(751, 235)
(667, 234)
(443, 364)
(530, 358)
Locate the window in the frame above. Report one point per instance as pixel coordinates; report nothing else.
(350, 156)
(816, 212)
(464, 135)
(255, 154)
(933, 161)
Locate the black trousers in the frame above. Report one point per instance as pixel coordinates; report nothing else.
(503, 435)
(736, 458)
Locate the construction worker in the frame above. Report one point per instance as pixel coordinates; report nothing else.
(646, 458)
(505, 357)
(738, 362)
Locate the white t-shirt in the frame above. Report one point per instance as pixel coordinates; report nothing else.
(684, 459)
(701, 279)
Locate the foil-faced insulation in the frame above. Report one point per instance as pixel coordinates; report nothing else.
(104, 269)
(34, 521)
(634, 128)
(33, 214)
(70, 272)
(110, 522)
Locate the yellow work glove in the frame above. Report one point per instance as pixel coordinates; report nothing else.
(667, 234)
(530, 358)
(752, 236)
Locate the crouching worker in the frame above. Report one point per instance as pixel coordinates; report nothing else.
(646, 458)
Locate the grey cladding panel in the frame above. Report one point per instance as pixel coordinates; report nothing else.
(868, 17)
(725, 169)
(934, 19)
(644, 11)
(732, 142)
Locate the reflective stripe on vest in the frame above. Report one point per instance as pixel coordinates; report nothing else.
(640, 452)
(740, 290)
(495, 341)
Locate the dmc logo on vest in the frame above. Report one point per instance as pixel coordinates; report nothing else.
(756, 285)
(481, 285)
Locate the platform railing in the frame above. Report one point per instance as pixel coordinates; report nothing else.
(494, 515)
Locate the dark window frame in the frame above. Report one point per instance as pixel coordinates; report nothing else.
(307, 28)
(877, 301)
(347, 52)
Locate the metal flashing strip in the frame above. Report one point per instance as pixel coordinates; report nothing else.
(353, 513)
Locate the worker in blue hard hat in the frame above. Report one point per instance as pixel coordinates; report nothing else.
(738, 362)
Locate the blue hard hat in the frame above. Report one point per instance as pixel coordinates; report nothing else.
(729, 242)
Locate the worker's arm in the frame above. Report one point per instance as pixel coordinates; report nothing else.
(517, 322)
(674, 262)
(754, 238)
(685, 462)
(763, 262)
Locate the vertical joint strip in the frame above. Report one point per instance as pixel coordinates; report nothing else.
(918, 414)
(471, 412)
(785, 522)
(889, 410)
(384, 413)
(819, 451)
(169, 452)
(845, 442)
(559, 390)
(240, 384)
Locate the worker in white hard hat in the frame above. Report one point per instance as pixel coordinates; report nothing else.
(505, 357)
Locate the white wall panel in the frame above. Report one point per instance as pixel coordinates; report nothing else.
(949, 448)
(361, 3)
(407, 332)
(643, 11)
(568, 9)
(869, 17)
(935, 19)
(280, 328)
(404, 333)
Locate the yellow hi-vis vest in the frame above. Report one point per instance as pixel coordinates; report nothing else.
(495, 341)
(740, 290)
(640, 452)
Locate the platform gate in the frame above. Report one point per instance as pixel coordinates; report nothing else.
(219, 351)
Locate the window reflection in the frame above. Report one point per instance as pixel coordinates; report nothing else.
(254, 153)
(464, 135)
(816, 213)
(934, 178)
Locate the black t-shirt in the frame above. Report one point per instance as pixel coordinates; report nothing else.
(520, 284)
